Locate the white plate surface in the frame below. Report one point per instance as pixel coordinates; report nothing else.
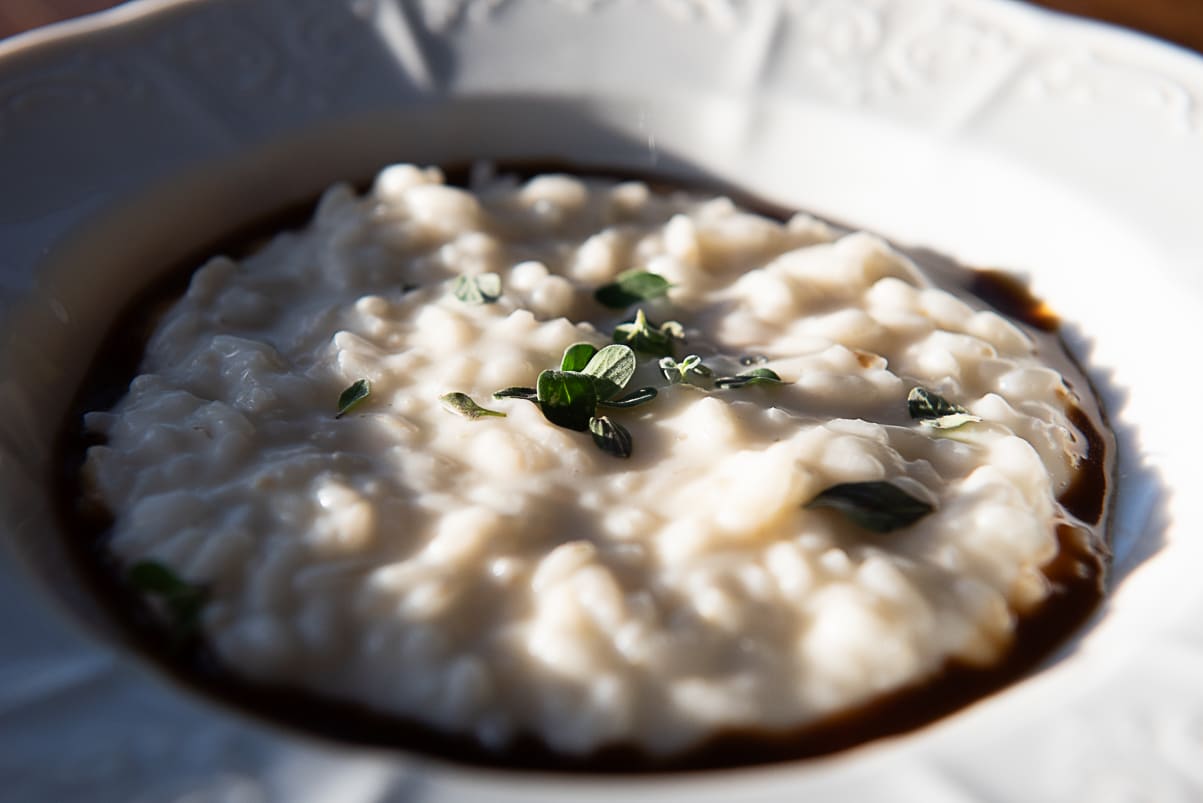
(992, 132)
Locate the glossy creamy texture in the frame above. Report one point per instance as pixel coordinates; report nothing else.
(503, 575)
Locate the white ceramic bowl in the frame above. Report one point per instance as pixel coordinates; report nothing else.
(988, 131)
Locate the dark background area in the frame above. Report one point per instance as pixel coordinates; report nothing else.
(1179, 21)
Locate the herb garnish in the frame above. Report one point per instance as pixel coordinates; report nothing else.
(645, 336)
(567, 398)
(577, 356)
(676, 372)
(936, 411)
(182, 600)
(353, 395)
(631, 287)
(610, 436)
(611, 369)
(530, 394)
(462, 404)
(484, 288)
(879, 505)
(588, 378)
(632, 399)
(757, 376)
(570, 398)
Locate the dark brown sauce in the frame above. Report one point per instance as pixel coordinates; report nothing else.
(1086, 496)
(1011, 296)
(1075, 575)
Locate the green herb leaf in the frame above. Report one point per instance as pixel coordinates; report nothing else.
(484, 288)
(353, 395)
(693, 365)
(676, 372)
(633, 399)
(182, 600)
(642, 335)
(757, 376)
(924, 404)
(612, 368)
(672, 329)
(936, 411)
(462, 404)
(530, 394)
(610, 436)
(152, 577)
(577, 356)
(567, 398)
(879, 506)
(631, 287)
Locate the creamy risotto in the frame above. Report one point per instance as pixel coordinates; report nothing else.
(577, 460)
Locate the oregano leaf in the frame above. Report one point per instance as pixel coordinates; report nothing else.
(932, 409)
(631, 287)
(568, 399)
(612, 367)
(757, 376)
(152, 577)
(632, 399)
(483, 288)
(353, 395)
(577, 356)
(878, 505)
(610, 436)
(675, 372)
(462, 404)
(641, 335)
(530, 394)
(182, 600)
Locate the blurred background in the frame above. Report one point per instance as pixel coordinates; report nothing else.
(1179, 21)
